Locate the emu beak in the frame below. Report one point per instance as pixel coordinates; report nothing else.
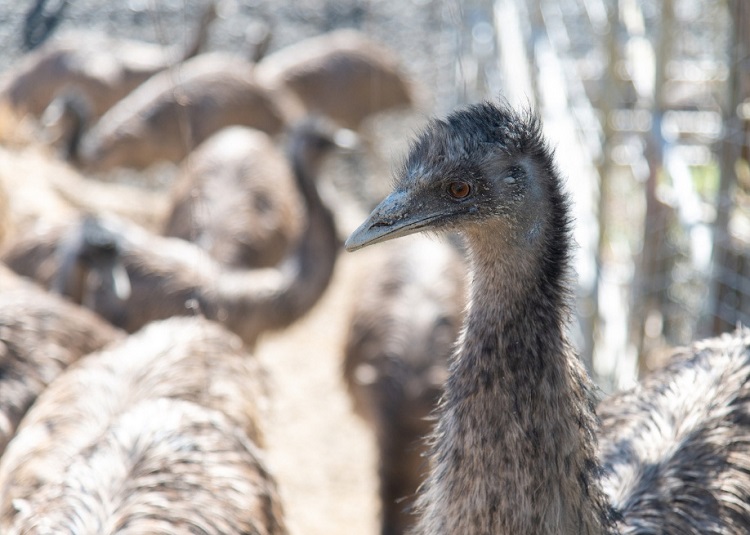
(394, 217)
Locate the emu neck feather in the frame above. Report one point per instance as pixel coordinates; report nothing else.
(515, 449)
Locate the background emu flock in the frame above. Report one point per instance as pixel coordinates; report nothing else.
(185, 347)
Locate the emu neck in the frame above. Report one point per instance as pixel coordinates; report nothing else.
(259, 301)
(514, 449)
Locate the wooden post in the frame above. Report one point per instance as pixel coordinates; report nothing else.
(730, 151)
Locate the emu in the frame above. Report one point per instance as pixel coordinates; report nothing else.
(241, 171)
(518, 447)
(132, 277)
(160, 432)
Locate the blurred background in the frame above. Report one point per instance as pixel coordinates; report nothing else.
(647, 103)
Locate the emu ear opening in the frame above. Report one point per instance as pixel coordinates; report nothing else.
(501, 168)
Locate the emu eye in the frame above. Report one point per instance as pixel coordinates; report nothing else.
(459, 190)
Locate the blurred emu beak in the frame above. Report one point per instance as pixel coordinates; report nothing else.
(392, 218)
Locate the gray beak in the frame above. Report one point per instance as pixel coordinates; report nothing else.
(396, 216)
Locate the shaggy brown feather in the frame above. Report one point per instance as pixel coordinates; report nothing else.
(85, 413)
(316, 69)
(171, 113)
(164, 466)
(238, 171)
(40, 335)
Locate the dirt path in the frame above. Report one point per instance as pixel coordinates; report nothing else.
(321, 453)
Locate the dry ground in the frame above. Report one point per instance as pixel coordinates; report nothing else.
(322, 454)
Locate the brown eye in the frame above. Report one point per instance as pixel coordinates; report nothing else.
(459, 190)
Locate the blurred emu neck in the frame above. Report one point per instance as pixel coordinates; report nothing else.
(515, 445)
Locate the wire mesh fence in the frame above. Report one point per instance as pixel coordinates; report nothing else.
(665, 83)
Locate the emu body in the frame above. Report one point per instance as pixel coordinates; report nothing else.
(174, 111)
(157, 433)
(343, 75)
(243, 172)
